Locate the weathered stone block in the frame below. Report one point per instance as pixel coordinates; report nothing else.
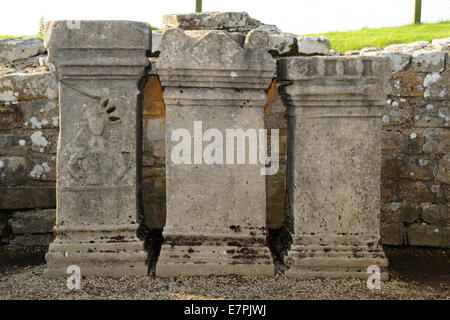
(156, 42)
(41, 114)
(407, 47)
(442, 170)
(11, 116)
(436, 214)
(99, 65)
(154, 198)
(390, 166)
(13, 171)
(416, 167)
(33, 221)
(153, 103)
(27, 86)
(15, 143)
(313, 45)
(42, 167)
(4, 224)
(428, 61)
(407, 83)
(437, 85)
(333, 175)
(397, 112)
(216, 220)
(428, 235)
(392, 234)
(13, 49)
(155, 130)
(276, 190)
(435, 138)
(39, 240)
(230, 21)
(27, 197)
(441, 44)
(392, 140)
(282, 44)
(395, 212)
(432, 114)
(413, 190)
(399, 60)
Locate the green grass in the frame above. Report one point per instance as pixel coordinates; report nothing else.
(7, 36)
(382, 37)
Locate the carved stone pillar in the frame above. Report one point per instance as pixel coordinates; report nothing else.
(333, 175)
(215, 212)
(98, 65)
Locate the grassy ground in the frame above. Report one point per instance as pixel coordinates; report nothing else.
(382, 37)
(7, 36)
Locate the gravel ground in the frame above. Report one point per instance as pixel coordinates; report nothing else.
(22, 278)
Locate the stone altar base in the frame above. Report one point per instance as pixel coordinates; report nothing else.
(219, 252)
(325, 256)
(114, 251)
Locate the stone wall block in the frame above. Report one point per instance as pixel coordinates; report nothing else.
(392, 234)
(33, 221)
(428, 235)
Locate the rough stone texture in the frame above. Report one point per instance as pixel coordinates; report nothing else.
(282, 44)
(333, 198)
(229, 21)
(408, 174)
(441, 44)
(40, 240)
(5, 228)
(313, 45)
(436, 214)
(33, 221)
(428, 235)
(20, 48)
(392, 233)
(399, 60)
(216, 221)
(428, 61)
(98, 65)
(27, 197)
(28, 139)
(153, 154)
(407, 47)
(156, 42)
(415, 168)
(13, 170)
(21, 86)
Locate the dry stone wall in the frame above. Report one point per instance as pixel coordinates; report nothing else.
(28, 139)
(415, 138)
(415, 172)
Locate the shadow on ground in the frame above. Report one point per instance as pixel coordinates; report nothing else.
(429, 266)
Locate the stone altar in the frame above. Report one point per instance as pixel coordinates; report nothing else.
(99, 65)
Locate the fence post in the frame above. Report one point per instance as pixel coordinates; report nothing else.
(417, 11)
(198, 6)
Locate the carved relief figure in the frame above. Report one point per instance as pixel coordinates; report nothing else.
(96, 160)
